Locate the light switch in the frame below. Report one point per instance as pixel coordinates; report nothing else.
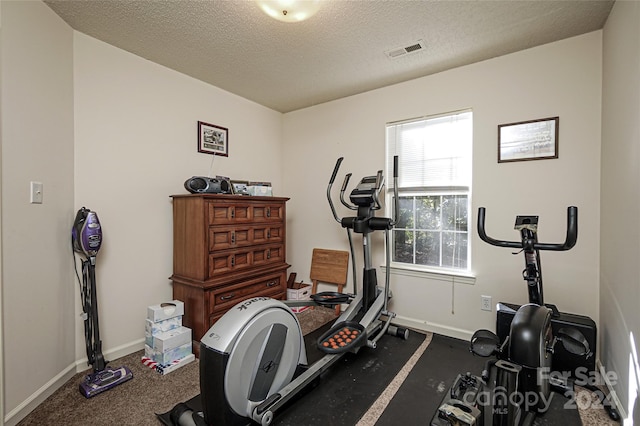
(36, 192)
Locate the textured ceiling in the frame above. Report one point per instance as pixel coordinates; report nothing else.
(338, 52)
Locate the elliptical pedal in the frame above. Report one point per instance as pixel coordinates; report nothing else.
(343, 337)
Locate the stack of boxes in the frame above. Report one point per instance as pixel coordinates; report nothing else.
(167, 343)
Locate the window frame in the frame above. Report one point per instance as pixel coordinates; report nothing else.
(438, 272)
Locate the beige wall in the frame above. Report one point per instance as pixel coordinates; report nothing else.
(135, 145)
(620, 207)
(560, 79)
(37, 145)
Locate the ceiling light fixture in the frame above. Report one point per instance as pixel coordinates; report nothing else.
(289, 10)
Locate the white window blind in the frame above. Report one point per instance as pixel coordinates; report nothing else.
(432, 152)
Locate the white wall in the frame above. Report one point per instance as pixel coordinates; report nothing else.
(559, 79)
(135, 145)
(37, 145)
(620, 207)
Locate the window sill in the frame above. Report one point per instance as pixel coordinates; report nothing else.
(446, 276)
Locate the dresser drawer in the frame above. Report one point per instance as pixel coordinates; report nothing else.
(221, 213)
(219, 313)
(228, 237)
(224, 262)
(227, 213)
(225, 298)
(269, 233)
(268, 254)
(267, 212)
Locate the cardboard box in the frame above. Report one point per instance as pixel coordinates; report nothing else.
(167, 340)
(169, 356)
(164, 311)
(152, 329)
(299, 291)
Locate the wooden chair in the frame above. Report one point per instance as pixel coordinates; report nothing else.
(330, 267)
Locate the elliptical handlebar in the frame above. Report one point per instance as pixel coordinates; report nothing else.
(379, 183)
(570, 239)
(396, 203)
(378, 186)
(344, 185)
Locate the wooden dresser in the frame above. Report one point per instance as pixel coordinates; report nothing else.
(226, 248)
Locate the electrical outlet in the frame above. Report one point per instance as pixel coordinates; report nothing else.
(485, 303)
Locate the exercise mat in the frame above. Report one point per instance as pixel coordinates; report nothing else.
(345, 392)
(423, 390)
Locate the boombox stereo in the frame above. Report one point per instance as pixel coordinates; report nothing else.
(207, 185)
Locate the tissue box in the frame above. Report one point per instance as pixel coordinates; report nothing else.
(152, 329)
(162, 342)
(167, 368)
(164, 311)
(169, 356)
(299, 291)
(259, 188)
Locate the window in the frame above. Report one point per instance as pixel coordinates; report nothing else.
(434, 185)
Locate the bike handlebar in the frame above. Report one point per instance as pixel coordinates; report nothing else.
(570, 239)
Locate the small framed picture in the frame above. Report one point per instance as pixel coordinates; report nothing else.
(213, 139)
(528, 140)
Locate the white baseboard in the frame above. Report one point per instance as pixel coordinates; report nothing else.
(115, 353)
(28, 405)
(444, 330)
(612, 393)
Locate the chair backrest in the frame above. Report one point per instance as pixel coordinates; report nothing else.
(329, 266)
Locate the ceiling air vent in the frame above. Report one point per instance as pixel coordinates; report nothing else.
(412, 48)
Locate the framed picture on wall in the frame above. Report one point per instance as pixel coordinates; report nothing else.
(528, 140)
(213, 139)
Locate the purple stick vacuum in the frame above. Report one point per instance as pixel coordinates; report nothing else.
(86, 239)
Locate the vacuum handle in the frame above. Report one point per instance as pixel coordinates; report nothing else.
(570, 239)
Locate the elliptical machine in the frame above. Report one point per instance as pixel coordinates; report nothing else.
(86, 240)
(515, 386)
(253, 359)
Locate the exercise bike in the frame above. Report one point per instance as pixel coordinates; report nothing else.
(253, 359)
(515, 386)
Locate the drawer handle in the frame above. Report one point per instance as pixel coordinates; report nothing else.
(233, 261)
(228, 296)
(268, 253)
(268, 211)
(268, 233)
(233, 213)
(233, 238)
(272, 283)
